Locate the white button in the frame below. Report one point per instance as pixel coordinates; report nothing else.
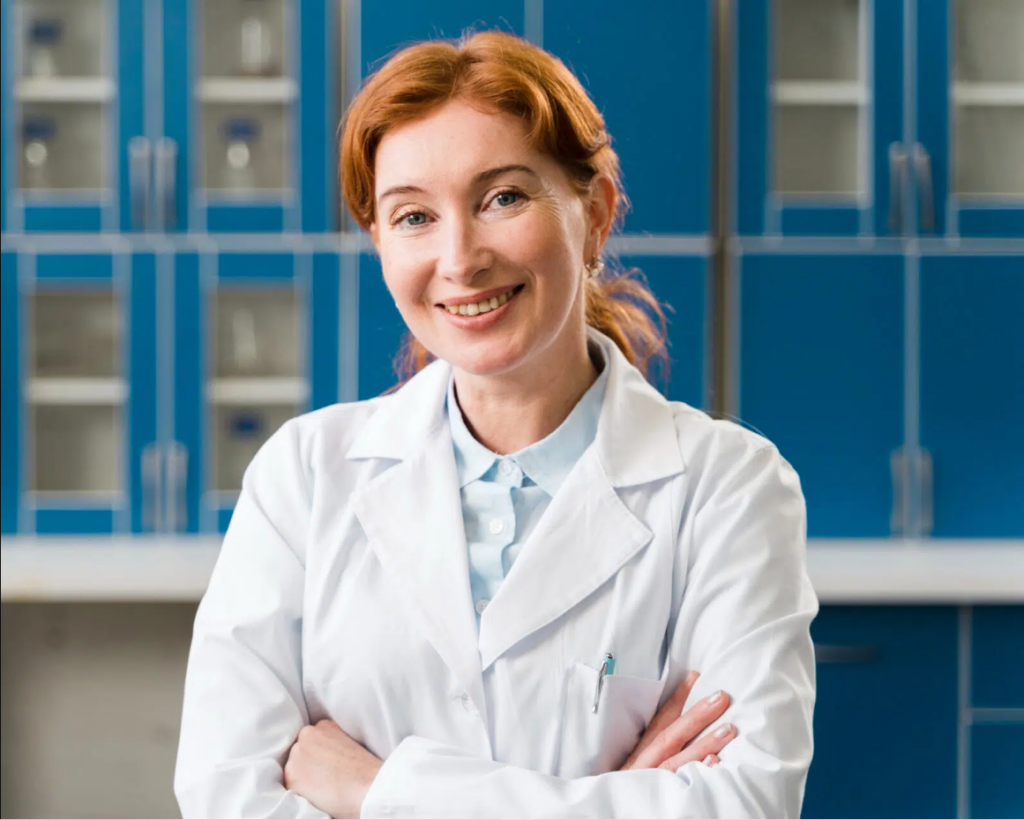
(481, 605)
(505, 467)
(497, 526)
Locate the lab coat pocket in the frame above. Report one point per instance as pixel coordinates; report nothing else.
(598, 742)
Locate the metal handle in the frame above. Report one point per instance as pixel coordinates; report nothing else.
(898, 466)
(924, 466)
(151, 481)
(177, 484)
(166, 165)
(138, 181)
(897, 176)
(923, 169)
(824, 653)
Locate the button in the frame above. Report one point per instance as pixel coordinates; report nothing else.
(497, 526)
(481, 605)
(505, 467)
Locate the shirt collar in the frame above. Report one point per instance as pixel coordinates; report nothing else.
(546, 462)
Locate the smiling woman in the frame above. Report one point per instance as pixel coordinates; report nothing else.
(524, 583)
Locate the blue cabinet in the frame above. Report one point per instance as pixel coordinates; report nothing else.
(995, 785)
(879, 118)
(886, 717)
(821, 375)
(127, 116)
(997, 663)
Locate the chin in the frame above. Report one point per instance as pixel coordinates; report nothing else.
(491, 359)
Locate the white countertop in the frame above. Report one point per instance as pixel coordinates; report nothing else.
(148, 568)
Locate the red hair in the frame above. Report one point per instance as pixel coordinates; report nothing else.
(500, 72)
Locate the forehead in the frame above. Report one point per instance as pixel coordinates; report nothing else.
(455, 142)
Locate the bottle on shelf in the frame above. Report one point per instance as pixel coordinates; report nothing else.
(44, 34)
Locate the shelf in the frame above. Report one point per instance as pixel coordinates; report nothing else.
(246, 90)
(153, 568)
(266, 390)
(814, 92)
(77, 391)
(994, 94)
(65, 89)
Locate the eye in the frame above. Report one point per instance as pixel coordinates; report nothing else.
(506, 198)
(414, 219)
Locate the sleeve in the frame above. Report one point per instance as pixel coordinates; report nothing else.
(744, 623)
(243, 702)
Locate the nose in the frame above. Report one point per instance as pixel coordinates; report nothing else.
(462, 254)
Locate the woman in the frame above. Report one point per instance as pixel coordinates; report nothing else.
(469, 598)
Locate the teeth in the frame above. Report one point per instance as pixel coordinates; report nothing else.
(480, 307)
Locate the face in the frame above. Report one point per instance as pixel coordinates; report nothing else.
(483, 241)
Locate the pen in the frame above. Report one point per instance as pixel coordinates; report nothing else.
(607, 668)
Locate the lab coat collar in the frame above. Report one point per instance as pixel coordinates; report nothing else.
(412, 515)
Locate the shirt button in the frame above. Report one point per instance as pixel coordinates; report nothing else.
(505, 467)
(497, 526)
(481, 605)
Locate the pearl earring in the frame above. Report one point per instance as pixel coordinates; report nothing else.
(595, 266)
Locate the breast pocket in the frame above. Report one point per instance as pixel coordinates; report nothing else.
(598, 742)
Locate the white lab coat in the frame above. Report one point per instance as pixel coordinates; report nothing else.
(342, 591)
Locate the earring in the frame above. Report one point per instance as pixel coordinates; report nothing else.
(595, 266)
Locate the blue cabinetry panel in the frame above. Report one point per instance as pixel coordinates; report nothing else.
(648, 68)
(972, 403)
(997, 652)
(10, 394)
(381, 330)
(189, 343)
(142, 399)
(821, 375)
(997, 789)
(324, 340)
(884, 672)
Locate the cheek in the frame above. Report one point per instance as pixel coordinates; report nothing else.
(405, 278)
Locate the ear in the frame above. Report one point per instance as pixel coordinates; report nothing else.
(601, 213)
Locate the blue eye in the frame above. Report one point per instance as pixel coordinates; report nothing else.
(414, 219)
(506, 198)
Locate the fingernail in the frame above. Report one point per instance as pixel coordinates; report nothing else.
(692, 676)
(709, 760)
(723, 730)
(715, 697)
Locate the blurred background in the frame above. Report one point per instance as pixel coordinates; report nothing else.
(829, 194)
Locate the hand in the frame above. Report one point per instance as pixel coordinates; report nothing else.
(330, 769)
(664, 744)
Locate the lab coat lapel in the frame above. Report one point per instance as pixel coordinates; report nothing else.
(587, 532)
(412, 516)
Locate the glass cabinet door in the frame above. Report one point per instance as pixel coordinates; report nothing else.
(818, 137)
(72, 116)
(240, 149)
(970, 118)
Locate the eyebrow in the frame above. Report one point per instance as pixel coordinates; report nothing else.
(483, 176)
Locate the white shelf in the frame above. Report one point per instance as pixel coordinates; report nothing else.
(65, 89)
(246, 90)
(993, 94)
(150, 568)
(77, 391)
(815, 92)
(266, 390)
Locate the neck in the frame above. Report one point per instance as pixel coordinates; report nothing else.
(509, 412)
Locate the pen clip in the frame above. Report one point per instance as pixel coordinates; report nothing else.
(607, 668)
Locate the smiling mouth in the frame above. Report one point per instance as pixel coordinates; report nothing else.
(484, 305)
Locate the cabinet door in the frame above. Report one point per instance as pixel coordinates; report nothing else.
(997, 664)
(648, 68)
(248, 96)
(885, 721)
(382, 331)
(88, 348)
(821, 375)
(819, 116)
(76, 85)
(972, 395)
(997, 750)
(970, 117)
(245, 363)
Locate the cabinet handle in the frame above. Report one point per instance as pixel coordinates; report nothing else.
(897, 177)
(923, 169)
(825, 653)
(924, 464)
(166, 165)
(151, 481)
(177, 484)
(898, 467)
(138, 182)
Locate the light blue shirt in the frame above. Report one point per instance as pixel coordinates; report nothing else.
(503, 497)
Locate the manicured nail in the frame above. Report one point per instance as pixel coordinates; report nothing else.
(692, 677)
(709, 760)
(715, 697)
(723, 730)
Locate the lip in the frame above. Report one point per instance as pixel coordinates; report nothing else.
(482, 321)
(477, 297)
